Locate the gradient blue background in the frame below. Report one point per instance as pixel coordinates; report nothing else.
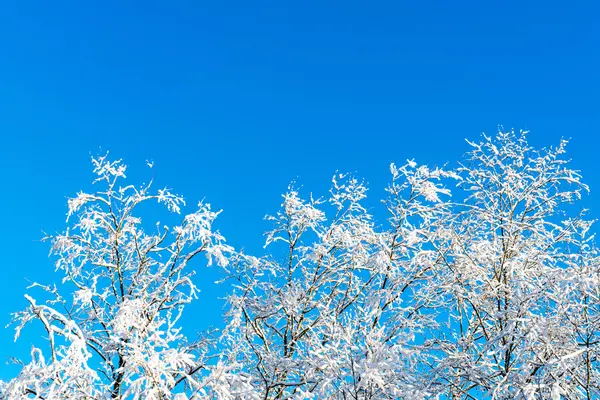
(233, 100)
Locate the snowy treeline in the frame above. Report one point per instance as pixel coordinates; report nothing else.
(482, 282)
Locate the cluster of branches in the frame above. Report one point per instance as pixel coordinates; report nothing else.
(492, 293)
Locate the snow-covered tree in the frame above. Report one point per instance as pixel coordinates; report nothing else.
(115, 334)
(334, 312)
(520, 252)
(488, 291)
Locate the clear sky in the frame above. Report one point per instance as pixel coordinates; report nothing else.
(233, 100)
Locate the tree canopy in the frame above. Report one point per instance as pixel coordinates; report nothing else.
(481, 282)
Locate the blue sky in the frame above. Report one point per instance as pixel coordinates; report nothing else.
(233, 100)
